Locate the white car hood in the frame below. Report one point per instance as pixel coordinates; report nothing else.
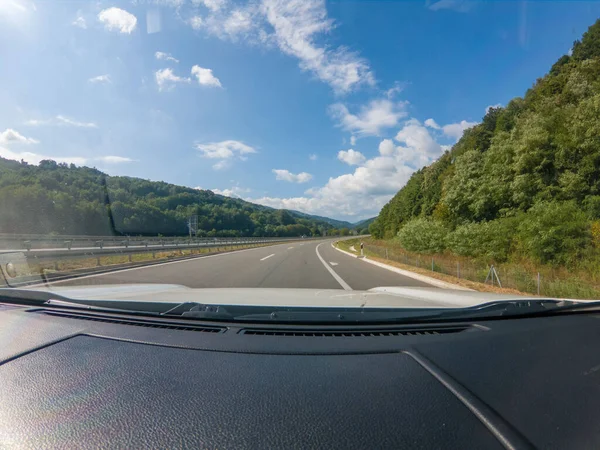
(380, 297)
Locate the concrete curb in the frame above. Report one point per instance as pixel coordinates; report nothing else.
(416, 276)
(344, 251)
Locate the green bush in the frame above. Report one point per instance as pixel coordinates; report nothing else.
(555, 232)
(494, 239)
(422, 235)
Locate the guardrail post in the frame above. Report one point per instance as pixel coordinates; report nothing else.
(27, 245)
(69, 244)
(100, 244)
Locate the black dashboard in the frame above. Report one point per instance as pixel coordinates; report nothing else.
(71, 379)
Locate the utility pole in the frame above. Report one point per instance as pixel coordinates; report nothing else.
(193, 225)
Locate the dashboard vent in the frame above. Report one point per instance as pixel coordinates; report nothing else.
(357, 333)
(137, 323)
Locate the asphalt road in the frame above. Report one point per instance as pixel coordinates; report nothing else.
(311, 264)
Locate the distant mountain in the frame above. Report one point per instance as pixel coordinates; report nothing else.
(66, 199)
(364, 223)
(334, 222)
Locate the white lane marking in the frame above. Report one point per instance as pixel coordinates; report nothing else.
(151, 266)
(331, 271)
(267, 257)
(333, 263)
(289, 248)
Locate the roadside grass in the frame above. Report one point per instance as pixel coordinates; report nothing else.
(515, 277)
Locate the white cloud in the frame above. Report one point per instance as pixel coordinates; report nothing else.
(352, 140)
(497, 105)
(165, 57)
(235, 192)
(100, 79)
(455, 130)
(226, 151)
(371, 119)
(35, 158)
(74, 123)
(313, 157)
(371, 185)
(10, 136)
(293, 26)
(432, 124)
(205, 77)
(462, 6)
(114, 159)
(351, 157)
(297, 24)
(166, 79)
(196, 22)
(286, 175)
(239, 22)
(60, 120)
(395, 90)
(117, 19)
(386, 147)
(213, 5)
(222, 165)
(79, 22)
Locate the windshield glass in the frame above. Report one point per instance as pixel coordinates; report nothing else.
(434, 154)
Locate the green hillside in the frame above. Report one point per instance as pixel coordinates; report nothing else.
(363, 223)
(63, 199)
(524, 183)
(333, 222)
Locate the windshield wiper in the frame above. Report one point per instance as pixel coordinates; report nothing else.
(503, 308)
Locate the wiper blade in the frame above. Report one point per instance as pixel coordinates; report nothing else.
(502, 308)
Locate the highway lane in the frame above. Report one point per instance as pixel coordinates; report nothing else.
(287, 265)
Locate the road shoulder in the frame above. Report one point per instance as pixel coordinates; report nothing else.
(433, 281)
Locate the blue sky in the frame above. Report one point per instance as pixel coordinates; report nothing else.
(323, 107)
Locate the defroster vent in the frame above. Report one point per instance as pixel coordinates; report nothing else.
(357, 333)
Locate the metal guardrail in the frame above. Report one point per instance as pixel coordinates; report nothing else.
(18, 261)
(12, 242)
(71, 251)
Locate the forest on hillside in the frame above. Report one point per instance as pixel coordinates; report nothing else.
(524, 183)
(53, 198)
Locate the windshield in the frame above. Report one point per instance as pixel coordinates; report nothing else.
(301, 153)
